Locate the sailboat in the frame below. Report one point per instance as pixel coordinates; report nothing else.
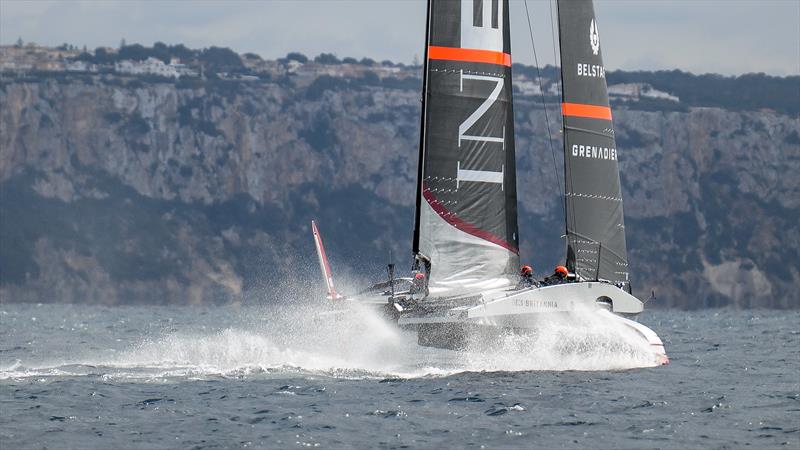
(466, 241)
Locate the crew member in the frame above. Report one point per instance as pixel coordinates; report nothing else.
(558, 277)
(418, 285)
(526, 277)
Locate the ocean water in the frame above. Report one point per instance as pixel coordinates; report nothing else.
(292, 377)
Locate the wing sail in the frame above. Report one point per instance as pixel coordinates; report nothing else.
(595, 224)
(466, 224)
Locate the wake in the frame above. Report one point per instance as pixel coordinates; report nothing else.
(355, 344)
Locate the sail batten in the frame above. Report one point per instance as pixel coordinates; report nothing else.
(467, 206)
(596, 247)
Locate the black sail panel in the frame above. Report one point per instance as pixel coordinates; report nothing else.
(467, 218)
(595, 225)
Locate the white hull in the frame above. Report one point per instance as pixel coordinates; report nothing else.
(526, 310)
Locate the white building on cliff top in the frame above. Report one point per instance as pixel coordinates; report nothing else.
(635, 91)
(150, 66)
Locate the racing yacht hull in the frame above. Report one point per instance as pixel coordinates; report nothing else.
(453, 322)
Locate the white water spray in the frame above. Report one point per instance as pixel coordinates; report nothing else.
(310, 340)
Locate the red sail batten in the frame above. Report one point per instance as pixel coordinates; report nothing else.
(469, 55)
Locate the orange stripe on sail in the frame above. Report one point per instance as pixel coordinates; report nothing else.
(469, 55)
(584, 110)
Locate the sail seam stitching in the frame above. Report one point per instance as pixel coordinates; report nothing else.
(469, 72)
(593, 196)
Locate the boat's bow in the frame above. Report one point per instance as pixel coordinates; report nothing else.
(649, 335)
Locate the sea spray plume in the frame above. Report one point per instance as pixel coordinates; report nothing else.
(302, 334)
(303, 339)
(358, 343)
(295, 328)
(579, 340)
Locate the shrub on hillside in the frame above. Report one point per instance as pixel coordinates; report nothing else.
(327, 58)
(221, 59)
(299, 57)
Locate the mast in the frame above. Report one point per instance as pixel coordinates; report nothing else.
(466, 217)
(563, 124)
(420, 165)
(596, 247)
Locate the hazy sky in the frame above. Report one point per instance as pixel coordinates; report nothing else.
(729, 37)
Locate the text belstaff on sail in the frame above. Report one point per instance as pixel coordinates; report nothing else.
(593, 151)
(591, 70)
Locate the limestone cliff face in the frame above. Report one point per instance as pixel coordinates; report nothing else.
(118, 190)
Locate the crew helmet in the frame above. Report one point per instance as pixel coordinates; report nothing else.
(526, 270)
(561, 270)
(419, 276)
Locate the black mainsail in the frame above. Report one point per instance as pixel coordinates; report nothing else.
(466, 220)
(595, 225)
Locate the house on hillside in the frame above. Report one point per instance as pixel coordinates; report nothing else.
(636, 91)
(150, 66)
(525, 86)
(182, 69)
(80, 66)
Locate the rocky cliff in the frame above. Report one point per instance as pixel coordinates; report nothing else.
(117, 190)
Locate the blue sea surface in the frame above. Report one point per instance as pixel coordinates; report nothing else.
(75, 376)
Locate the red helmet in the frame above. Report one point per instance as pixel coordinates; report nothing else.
(419, 276)
(526, 270)
(561, 270)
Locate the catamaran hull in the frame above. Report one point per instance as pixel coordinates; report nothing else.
(446, 324)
